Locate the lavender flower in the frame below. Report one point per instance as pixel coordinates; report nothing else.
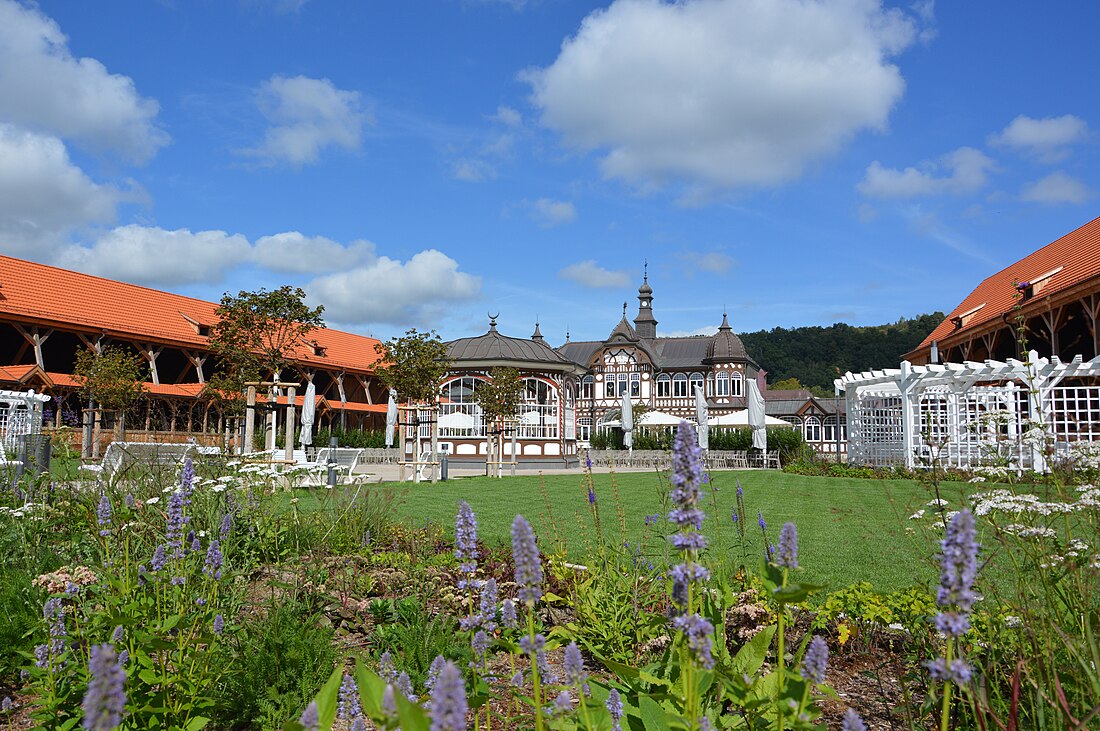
(347, 703)
(734, 516)
(227, 527)
(815, 661)
(196, 545)
(852, 721)
(760, 520)
(591, 496)
(574, 665)
(614, 706)
(187, 480)
(959, 671)
(130, 500)
(480, 645)
(466, 539)
(952, 624)
(6, 705)
(960, 563)
(405, 685)
(587, 460)
(698, 632)
(652, 519)
(687, 466)
(688, 541)
(488, 605)
(173, 534)
(310, 719)
(525, 552)
(787, 555)
(213, 565)
(517, 680)
(433, 672)
(219, 624)
(449, 700)
(508, 614)
(105, 699)
(123, 658)
(389, 700)
(118, 635)
(157, 562)
(386, 669)
(563, 703)
(103, 515)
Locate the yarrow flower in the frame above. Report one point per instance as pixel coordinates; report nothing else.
(525, 553)
(816, 660)
(787, 554)
(105, 699)
(449, 700)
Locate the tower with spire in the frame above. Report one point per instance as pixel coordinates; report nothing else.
(645, 324)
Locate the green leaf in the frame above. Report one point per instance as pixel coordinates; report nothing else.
(653, 716)
(752, 654)
(371, 689)
(196, 723)
(794, 593)
(170, 623)
(326, 699)
(411, 715)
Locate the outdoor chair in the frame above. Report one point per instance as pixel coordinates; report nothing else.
(122, 458)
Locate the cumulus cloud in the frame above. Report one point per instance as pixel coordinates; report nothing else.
(295, 252)
(43, 196)
(1055, 189)
(416, 292)
(723, 94)
(1047, 139)
(155, 256)
(307, 116)
(588, 273)
(549, 213)
(43, 87)
(960, 172)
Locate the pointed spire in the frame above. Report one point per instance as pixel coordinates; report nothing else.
(537, 335)
(567, 333)
(624, 310)
(725, 322)
(645, 271)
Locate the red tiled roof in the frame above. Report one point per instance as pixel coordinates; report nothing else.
(1078, 255)
(31, 292)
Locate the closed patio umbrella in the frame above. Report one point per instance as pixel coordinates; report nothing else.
(756, 416)
(627, 419)
(309, 409)
(701, 418)
(391, 417)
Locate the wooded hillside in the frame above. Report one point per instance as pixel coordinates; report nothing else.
(813, 355)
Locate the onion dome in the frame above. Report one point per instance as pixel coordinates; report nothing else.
(724, 345)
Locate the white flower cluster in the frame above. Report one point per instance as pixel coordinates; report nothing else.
(1005, 501)
(1028, 531)
(27, 509)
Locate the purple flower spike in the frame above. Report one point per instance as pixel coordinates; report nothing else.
(614, 706)
(103, 515)
(105, 698)
(960, 563)
(219, 624)
(347, 704)
(815, 661)
(466, 538)
(591, 496)
(525, 553)
(698, 632)
(310, 719)
(574, 665)
(787, 554)
(213, 565)
(449, 700)
(852, 721)
(508, 614)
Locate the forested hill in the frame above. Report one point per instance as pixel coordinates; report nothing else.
(813, 354)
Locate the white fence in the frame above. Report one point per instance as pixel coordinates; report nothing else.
(1012, 415)
(20, 414)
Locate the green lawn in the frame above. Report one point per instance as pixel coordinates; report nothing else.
(849, 529)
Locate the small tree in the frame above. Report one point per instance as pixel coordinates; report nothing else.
(414, 364)
(112, 377)
(499, 400)
(257, 332)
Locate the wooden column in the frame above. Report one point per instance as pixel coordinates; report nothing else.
(250, 420)
(288, 443)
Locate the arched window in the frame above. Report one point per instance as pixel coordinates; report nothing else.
(735, 385)
(696, 380)
(722, 384)
(679, 385)
(830, 429)
(609, 385)
(664, 386)
(812, 429)
(586, 387)
(459, 414)
(538, 413)
(460, 390)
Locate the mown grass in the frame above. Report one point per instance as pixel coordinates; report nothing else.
(849, 529)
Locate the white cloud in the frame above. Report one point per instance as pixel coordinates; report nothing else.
(1047, 138)
(960, 172)
(1056, 188)
(43, 196)
(42, 86)
(723, 94)
(295, 252)
(507, 116)
(589, 274)
(549, 213)
(307, 115)
(416, 292)
(155, 256)
(705, 330)
(714, 261)
(472, 170)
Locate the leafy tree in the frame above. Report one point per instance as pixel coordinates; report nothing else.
(112, 377)
(787, 384)
(500, 398)
(414, 364)
(257, 332)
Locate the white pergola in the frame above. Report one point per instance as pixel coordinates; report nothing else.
(965, 415)
(20, 413)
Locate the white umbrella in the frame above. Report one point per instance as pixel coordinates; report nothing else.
(457, 420)
(701, 418)
(756, 416)
(627, 419)
(741, 418)
(658, 418)
(391, 418)
(309, 408)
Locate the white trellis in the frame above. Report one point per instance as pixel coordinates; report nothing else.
(1009, 414)
(20, 414)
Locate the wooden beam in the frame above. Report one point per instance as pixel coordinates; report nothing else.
(36, 338)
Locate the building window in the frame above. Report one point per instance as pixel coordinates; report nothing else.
(710, 385)
(538, 413)
(735, 384)
(722, 384)
(830, 429)
(609, 385)
(586, 387)
(459, 414)
(635, 385)
(622, 383)
(584, 429)
(812, 429)
(679, 385)
(664, 385)
(696, 380)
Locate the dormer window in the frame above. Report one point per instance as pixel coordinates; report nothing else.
(1036, 285)
(318, 350)
(201, 329)
(961, 321)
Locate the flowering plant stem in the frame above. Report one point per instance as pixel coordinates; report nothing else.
(780, 651)
(945, 710)
(535, 681)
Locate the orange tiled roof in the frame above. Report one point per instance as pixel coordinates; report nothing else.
(48, 295)
(15, 373)
(1078, 255)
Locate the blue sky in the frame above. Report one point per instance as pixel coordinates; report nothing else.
(425, 162)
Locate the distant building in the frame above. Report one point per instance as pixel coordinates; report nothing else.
(1053, 295)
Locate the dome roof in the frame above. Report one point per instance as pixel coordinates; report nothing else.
(724, 345)
(645, 288)
(492, 348)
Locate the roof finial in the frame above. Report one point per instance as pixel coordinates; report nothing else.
(567, 333)
(624, 310)
(645, 271)
(537, 335)
(493, 321)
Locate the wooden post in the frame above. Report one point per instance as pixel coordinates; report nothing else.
(288, 443)
(250, 420)
(435, 442)
(95, 434)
